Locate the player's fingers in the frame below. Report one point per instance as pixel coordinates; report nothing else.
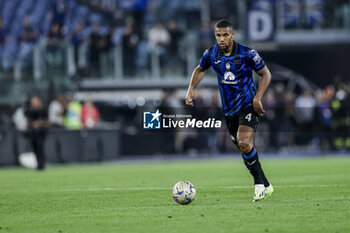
(261, 111)
(189, 102)
(258, 110)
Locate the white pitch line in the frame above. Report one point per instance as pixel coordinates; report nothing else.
(292, 186)
(116, 189)
(226, 187)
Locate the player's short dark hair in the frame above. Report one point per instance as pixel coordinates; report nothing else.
(223, 23)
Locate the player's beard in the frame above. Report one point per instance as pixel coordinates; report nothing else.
(225, 48)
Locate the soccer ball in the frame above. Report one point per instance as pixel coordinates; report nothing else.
(184, 192)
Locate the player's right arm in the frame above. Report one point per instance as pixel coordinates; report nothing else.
(197, 76)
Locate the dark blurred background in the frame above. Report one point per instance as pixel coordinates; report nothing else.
(97, 65)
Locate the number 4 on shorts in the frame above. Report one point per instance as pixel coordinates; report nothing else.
(249, 117)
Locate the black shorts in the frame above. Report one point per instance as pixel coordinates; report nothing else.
(247, 116)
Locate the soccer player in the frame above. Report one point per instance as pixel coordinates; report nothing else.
(241, 101)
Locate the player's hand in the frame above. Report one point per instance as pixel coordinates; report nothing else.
(190, 97)
(258, 107)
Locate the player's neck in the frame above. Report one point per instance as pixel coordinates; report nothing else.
(228, 51)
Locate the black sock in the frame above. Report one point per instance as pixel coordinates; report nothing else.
(251, 160)
(266, 182)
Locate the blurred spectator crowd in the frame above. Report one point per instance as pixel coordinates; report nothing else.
(137, 26)
(318, 118)
(63, 112)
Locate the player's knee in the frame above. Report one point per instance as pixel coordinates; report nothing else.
(245, 146)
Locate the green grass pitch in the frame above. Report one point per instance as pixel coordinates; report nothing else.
(311, 195)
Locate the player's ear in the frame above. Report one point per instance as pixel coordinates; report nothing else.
(232, 32)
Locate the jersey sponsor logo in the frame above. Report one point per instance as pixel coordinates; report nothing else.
(217, 62)
(229, 77)
(229, 82)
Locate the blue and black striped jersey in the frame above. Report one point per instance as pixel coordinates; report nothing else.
(234, 74)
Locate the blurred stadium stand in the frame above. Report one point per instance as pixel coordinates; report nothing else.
(130, 55)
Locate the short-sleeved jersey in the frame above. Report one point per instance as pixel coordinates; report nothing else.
(234, 75)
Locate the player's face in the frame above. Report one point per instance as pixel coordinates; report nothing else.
(224, 37)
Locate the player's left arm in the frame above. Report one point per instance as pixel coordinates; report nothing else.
(263, 85)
